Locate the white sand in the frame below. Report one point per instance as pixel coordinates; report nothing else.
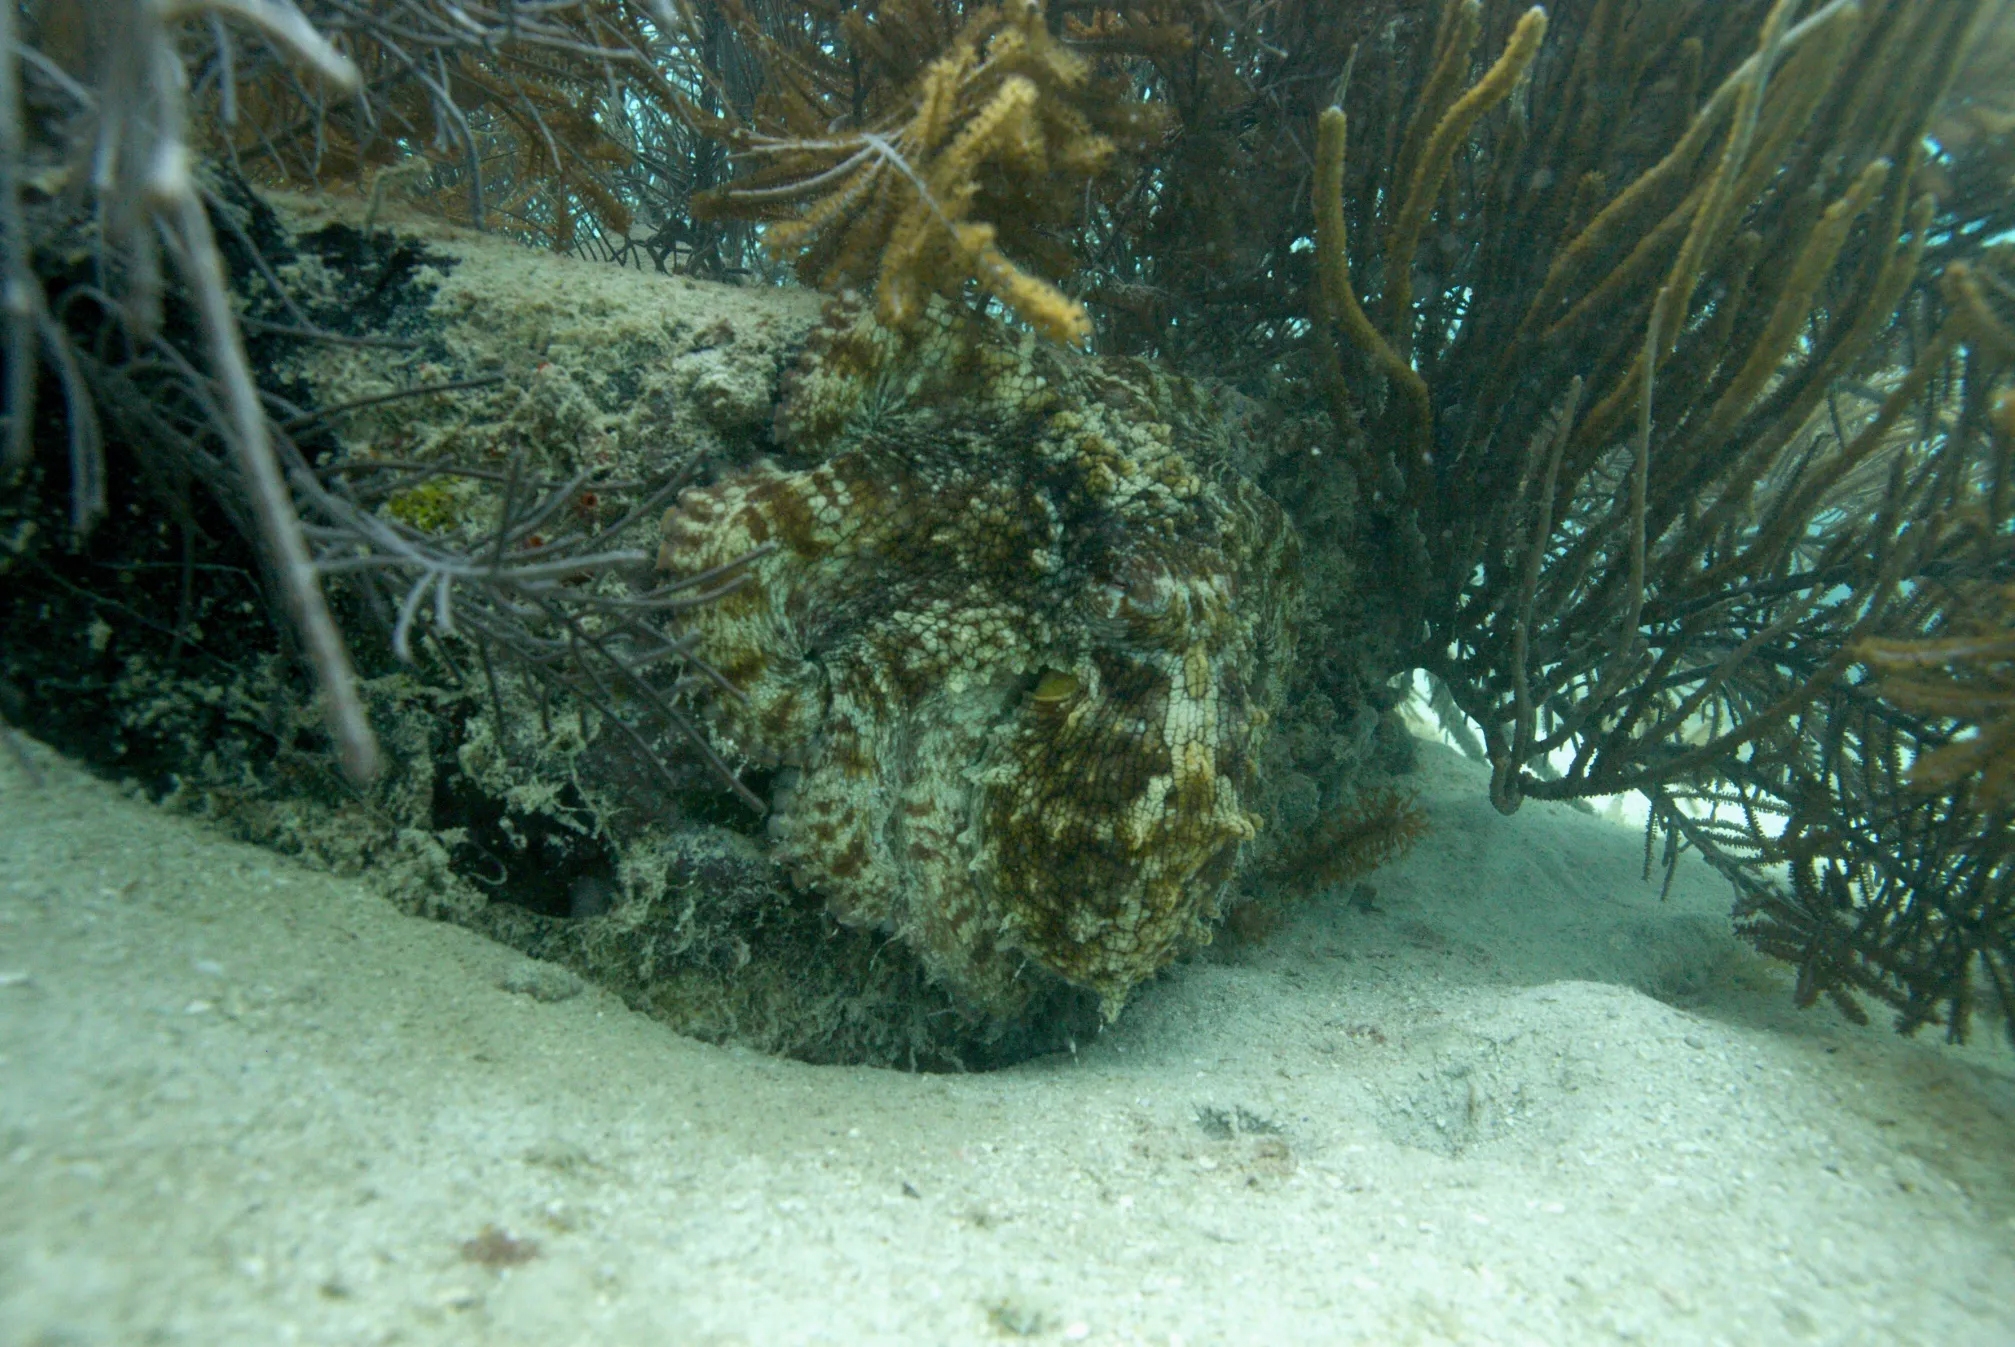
(245, 1103)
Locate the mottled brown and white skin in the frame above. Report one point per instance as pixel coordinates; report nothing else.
(1016, 647)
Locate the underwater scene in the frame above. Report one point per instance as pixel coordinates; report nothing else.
(1160, 672)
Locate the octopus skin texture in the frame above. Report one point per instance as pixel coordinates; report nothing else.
(1013, 653)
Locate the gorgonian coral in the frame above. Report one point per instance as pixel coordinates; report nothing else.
(962, 150)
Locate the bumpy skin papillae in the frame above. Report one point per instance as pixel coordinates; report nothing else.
(1016, 658)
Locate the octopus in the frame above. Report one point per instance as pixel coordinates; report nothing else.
(1012, 650)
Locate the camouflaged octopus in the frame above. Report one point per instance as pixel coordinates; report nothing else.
(1014, 650)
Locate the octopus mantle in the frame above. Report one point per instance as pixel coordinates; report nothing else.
(1014, 661)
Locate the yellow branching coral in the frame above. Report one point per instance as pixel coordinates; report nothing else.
(1337, 298)
(964, 169)
(1450, 132)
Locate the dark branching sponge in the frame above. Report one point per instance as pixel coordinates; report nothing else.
(1015, 647)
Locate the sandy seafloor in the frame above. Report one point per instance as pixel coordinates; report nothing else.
(1519, 1102)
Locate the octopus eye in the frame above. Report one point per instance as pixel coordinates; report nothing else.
(1149, 593)
(1054, 686)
